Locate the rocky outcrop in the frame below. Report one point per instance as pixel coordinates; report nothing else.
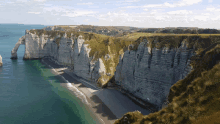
(148, 74)
(72, 52)
(65, 50)
(81, 58)
(34, 45)
(1, 63)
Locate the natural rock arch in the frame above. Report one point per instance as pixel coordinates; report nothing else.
(15, 49)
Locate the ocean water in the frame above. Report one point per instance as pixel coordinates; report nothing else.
(29, 92)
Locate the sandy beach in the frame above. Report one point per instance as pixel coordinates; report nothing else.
(107, 105)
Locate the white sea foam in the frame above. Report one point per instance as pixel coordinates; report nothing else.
(76, 92)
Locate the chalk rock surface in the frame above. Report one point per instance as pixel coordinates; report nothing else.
(71, 52)
(149, 74)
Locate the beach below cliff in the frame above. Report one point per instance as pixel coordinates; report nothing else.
(107, 105)
(95, 105)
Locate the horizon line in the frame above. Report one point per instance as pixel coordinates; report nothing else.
(109, 26)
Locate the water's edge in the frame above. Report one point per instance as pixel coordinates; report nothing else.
(76, 92)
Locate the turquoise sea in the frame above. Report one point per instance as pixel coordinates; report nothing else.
(29, 92)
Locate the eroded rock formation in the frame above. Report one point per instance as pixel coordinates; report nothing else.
(69, 51)
(15, 49)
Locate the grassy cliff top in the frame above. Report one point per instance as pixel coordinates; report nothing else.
(87, 27)
(106, 30)
(194, 99)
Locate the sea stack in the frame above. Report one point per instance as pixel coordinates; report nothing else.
(1, 63)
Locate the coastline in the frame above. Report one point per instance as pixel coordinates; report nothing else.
(107, 105)
(95, 105)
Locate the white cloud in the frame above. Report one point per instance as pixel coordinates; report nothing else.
(79, 13)
(67, 11)
(10, 2)
(127, 1)
(175, 4)
(178, 12)
(201, 17)
(216, 18)
(89, 3)
(159, 18)
(22, 0)
(131, 1)
(86, 20)
(188, 2)
(55, 8)
(212, 9)
(34, 12)
(206, 14)
(132, 7)
(156, 11)
(40, 0)
(210, 1)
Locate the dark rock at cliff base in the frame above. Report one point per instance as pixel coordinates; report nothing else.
(31, 58)
(14, 58)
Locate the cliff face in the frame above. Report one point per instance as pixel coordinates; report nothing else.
(194, 99)
(69, 51)
(149, 73)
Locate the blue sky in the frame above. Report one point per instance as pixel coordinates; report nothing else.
(136, 13)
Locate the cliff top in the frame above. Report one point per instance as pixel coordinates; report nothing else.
(122, 30)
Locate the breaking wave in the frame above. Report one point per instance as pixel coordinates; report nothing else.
(72, 88)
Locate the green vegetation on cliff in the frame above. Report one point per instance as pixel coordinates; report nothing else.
(193, 100)
(109, 48)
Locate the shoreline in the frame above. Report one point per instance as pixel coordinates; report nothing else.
(95, 105)
(108, 105)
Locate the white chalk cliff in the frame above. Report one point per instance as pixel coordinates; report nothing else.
(147, 73)
(71, 52)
